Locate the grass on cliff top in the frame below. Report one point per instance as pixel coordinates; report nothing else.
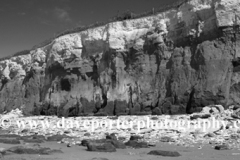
(24, 52)
(120, 17)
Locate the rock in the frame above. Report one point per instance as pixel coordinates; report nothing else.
(85, 142)
(2, 151)
(1, 156)
(235, 107)
(114, 142)
(210, 135)
(33, 139)
(101, 147)
(87, 134)
(222, 147)
(163, 69)
(118, 144)
(213, 109)
(135, 138)
(10, 141)
(113, 118)
(236, 114)
(167, 139)
(121, 139)
(164, 153)
(32, 150)
(235, 136)
(154, 118)
(220, 108)
(25, 130)
(136, 144)
(9, 136)
(157, 111)
(206, 110)
(152, 144)
(111, 136)
(57, 137)
(196, 116)
(67, 132)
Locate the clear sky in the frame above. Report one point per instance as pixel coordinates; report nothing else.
(25, 23)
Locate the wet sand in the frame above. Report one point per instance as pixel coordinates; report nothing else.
(80, 153)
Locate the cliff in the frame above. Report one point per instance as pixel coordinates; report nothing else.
(173, 62)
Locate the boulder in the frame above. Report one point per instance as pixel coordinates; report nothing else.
(10, 141)
(100, 147)
(32, 150)
(136, 144)
(116, 143)
(135, 138)
(164, 153)
(222, 147)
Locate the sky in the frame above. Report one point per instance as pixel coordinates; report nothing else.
(25, 23)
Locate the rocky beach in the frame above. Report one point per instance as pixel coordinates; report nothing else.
(161, 86)
(102, 143)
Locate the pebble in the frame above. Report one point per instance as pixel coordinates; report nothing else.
(146, 136)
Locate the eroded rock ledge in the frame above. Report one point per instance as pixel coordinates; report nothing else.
(171, 63)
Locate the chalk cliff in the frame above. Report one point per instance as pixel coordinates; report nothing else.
(172, 62)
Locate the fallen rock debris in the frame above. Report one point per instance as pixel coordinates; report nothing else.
(103, 139)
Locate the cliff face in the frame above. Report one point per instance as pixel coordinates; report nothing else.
(173, 62)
